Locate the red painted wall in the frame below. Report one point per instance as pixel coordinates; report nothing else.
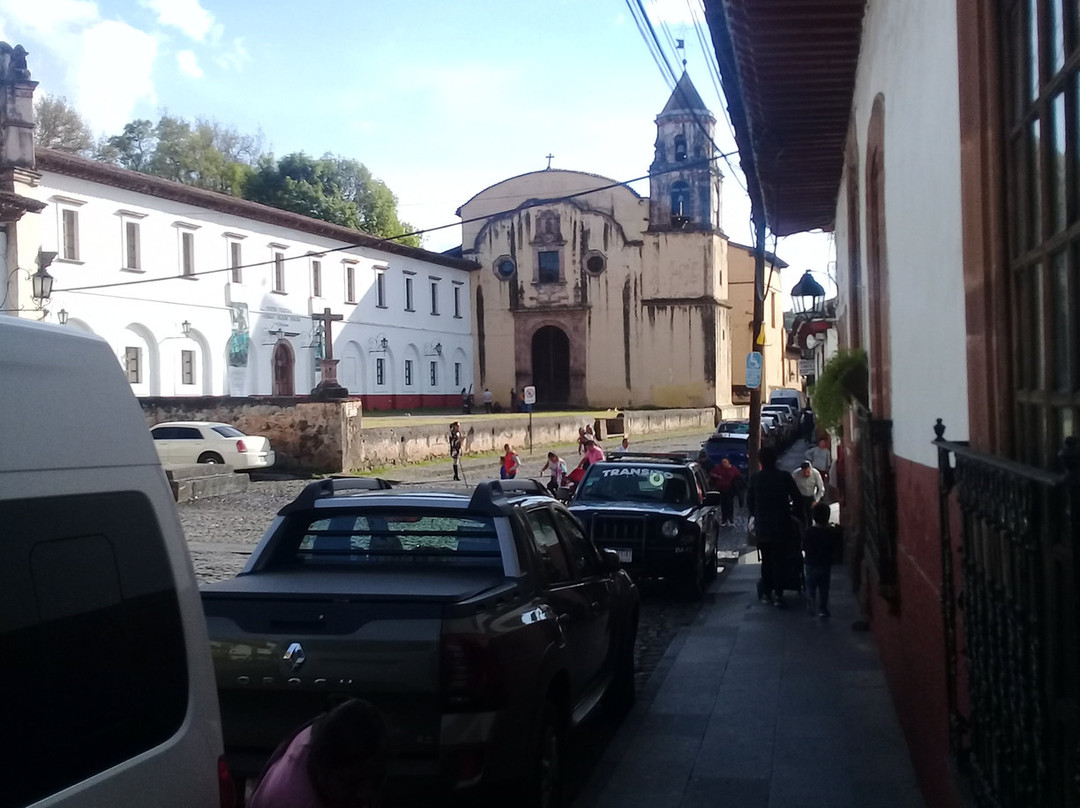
(910, 635)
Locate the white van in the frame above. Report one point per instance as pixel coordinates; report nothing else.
(109, 693)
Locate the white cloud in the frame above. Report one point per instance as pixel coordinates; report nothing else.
(46, 16)
(107, 65)
(111, 71)
(186, 15)
(188, 64)
(235, 57)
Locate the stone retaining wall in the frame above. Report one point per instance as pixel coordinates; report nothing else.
(307, 436)
(323, 437)
(405, 444)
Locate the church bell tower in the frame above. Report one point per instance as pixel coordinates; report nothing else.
(684, 191)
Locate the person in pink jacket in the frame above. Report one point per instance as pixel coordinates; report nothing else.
(339, 760)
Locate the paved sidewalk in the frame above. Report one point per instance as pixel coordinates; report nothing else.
(759, 707)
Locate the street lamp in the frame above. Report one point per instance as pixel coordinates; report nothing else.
(808, 296)
(185, 327)
(62, 316)
(41, 282)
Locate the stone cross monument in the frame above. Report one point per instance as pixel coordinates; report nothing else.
(328, 387)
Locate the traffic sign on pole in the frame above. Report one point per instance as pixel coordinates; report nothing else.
(753, 370)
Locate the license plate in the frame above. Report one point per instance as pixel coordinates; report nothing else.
(625, 556)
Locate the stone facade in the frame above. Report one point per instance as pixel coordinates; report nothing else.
(600, 297)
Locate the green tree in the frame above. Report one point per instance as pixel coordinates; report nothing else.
(134, 147)
(59, 126)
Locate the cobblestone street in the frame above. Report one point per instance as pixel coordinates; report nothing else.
(222, 531)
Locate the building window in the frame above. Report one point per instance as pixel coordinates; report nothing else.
(236, 261)
(279, 272)
(680, 203)
(434, 297)
(380, 289)
(548, 266)
(408, 294)
(1042, 153)
(680, 148)
(70, 224)
(350, 284)
(187, 253)
(131, 246)
(133, 365)
(433, 375)
(504, 267)
(316, 278)
(457, 302)
(187, 367)
(457, 374)
(380, 371)
(595, 262)
(408, 373)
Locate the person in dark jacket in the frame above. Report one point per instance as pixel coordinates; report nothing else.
(772, 500)
(817, 546)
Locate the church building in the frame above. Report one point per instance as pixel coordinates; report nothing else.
(598, 296)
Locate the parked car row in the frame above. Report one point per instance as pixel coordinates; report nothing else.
(780, 427)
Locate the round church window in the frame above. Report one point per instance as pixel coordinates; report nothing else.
(505, 268)
(595, 263)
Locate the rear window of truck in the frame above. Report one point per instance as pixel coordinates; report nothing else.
(392, 537)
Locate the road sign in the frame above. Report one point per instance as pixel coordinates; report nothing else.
(807, 367)
(528, 395)
(753, 370)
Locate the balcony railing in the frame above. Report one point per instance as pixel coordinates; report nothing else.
(1010, 620)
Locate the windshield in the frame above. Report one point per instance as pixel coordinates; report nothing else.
(734, 428)
(391, 537)
(636, 484)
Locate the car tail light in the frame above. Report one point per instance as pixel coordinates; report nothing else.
(469, 677)
(226, 786)
(241, 446)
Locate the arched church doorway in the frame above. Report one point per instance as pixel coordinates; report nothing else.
(551, 365)
(284, 367)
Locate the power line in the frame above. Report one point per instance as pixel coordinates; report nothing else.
(532, 203)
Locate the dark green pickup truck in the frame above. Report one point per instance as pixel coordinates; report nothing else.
(485, 627)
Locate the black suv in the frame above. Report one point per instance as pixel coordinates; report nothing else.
(657, 512)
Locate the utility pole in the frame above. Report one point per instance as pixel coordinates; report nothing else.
(753, 443)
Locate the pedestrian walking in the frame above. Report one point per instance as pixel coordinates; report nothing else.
(807, 425)
(725, 479)
(821, 458)
(580, 439)
(557, 466)
(817, 546)
(623, 446)
(466, 401)
(811, 489)
(339, 760)
(772, 498)
(510, 463)
(455, 448)
(593, 453)
(487, 399)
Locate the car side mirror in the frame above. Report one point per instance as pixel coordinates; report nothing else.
(609, 560)
(712, 497)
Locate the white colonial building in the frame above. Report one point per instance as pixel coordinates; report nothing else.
(200, 293)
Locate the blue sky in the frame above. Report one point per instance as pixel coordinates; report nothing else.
(438, 99)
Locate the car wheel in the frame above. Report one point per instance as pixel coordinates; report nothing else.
(710, 567)
(545, 778)
(695, 578)
(210, 457)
